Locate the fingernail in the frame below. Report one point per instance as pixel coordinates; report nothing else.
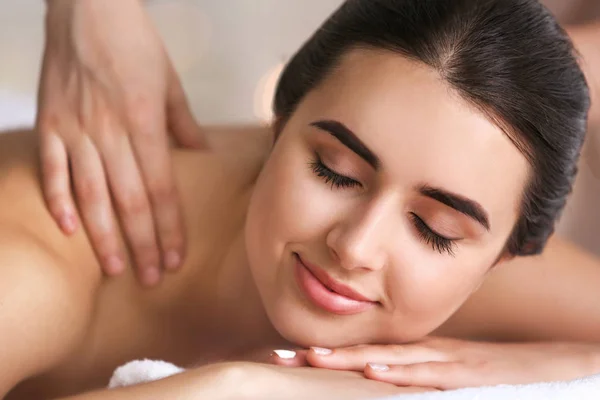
(321, 351)
(172, 259)
(114, 265)
(285, 354)
(378, 367)
(151, 276)
(67, 223)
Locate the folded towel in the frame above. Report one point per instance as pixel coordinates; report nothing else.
(140, 371)
(581, 389)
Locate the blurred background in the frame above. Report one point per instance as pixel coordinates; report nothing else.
(229, 54)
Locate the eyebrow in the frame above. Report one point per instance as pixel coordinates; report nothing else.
(461, 204)
(349, 139)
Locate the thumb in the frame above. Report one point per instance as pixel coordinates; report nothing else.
(182, 124)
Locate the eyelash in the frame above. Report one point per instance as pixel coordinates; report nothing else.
(437, 242)
(331, 177)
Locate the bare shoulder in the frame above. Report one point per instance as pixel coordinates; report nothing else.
(22, 205)
(551, 296)
(46, 297)
(46, 308)
(228, 167)
(247, 138)
(244, 149)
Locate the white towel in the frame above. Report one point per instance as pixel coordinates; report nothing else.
(140, 371)
(580, 389)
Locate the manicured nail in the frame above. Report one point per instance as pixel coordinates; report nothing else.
(151, 276)
(321, 351)
(379, 367)
(172, 259)
(67, 223)
(285, 354)
(114, 265)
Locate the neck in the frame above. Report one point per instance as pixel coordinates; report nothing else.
(240, 301)
(227, 310)
(219, 302)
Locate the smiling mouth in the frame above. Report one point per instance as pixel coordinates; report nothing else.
(325, 292)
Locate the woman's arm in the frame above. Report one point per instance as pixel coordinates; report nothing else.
(553, 296)
(203, 383)
(243, 380)
(44, 308)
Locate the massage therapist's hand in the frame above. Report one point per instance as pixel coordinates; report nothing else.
(451, 364)
(108, 95)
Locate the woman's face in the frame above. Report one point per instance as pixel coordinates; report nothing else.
(385, 182)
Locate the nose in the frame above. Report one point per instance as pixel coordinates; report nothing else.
(359, 241)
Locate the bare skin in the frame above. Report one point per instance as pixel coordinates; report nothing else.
(126, 322)
(94, 51)
(113, 321)
(237, 294)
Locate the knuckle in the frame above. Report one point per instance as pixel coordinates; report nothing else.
(171, 239)
(146, 254)
(397, 349)
(104, 241)
(163, 194)
(139, 114)
(482, 365)
(46, 122)
(52, 167)
(107, 126)
(89, 190)
(134, 205)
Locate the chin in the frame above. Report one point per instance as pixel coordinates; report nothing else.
(299, 325)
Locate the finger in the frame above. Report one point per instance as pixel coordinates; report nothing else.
(355, 358)
(181, 121)
(154, 160)
(439, 375)
(132, 204)
(56, 181)
(289, 358)
(95, 205)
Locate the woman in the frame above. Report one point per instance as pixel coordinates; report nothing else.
(370, 221)
(96, 51)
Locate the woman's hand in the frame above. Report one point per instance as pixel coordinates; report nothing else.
(451, 364)
(108, 95)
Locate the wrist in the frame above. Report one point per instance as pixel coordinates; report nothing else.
(235, 380)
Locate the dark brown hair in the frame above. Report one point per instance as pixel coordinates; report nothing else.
(509, 58)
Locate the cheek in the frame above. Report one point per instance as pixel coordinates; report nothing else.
(289, 203)
(428, 292)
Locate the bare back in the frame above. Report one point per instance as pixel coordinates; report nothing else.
(122, 320)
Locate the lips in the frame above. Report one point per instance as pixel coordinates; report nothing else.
(328, 294)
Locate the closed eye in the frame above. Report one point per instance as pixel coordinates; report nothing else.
(438, 242)
(331, 177)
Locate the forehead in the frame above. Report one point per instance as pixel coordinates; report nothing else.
(421, 129)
